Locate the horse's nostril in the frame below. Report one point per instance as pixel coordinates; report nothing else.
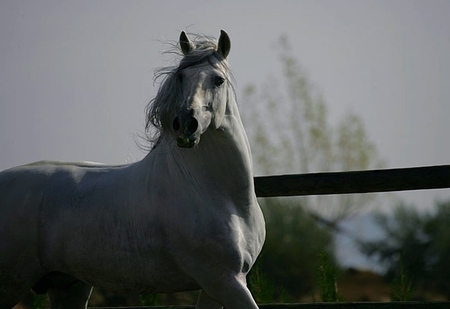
(188, 127)
(192, 126)
(176, 124)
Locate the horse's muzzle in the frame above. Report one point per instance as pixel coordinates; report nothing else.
(185, 131)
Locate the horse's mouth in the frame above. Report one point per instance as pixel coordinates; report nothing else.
(186, 142)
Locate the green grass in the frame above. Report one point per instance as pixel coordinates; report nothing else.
(327, 275)
(402, 285)
(40, 301)
(150, 299)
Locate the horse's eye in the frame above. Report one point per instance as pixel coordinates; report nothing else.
(218, 81)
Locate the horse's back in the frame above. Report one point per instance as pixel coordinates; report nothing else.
(24, 194)
(22, 191)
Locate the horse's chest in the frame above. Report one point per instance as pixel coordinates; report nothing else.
(226, 239)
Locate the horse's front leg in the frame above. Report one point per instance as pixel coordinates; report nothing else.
(230, 292)
(206, 302)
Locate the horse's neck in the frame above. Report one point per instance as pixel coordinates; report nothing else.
(221, 164)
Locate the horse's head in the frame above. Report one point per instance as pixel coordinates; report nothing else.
(195, 95)
(204, 84)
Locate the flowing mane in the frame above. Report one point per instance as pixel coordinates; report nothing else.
(161, 110)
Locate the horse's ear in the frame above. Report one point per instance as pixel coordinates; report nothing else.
(185, 44)
(224, 45)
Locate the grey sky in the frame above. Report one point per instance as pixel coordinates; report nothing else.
(75, 76)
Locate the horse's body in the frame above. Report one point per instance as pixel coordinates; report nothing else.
(183, 218)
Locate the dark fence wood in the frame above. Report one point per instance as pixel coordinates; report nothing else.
(400, 179)
(356, 305)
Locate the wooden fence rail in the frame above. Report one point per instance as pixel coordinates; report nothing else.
(400, 179)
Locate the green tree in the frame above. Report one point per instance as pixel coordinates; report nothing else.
(405, 243)
(289, 259)
(438, 231)
(415, 248)
(290, 132)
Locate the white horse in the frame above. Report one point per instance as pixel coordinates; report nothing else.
(184, 218)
